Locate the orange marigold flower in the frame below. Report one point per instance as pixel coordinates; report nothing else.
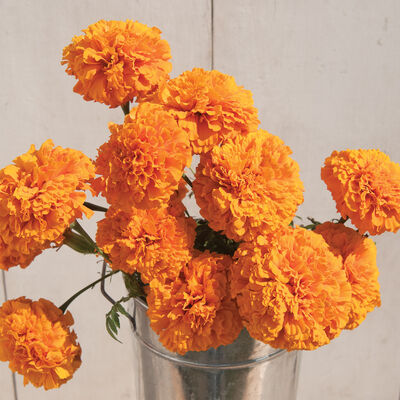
(209, 106)
(195, 312)
(365, 185)
(116, 61)
(143, 161)
(248, 186)
(39, 200)
(36, 339)
(175, 204)
(359, 260)
(151, 242)
(292, 291)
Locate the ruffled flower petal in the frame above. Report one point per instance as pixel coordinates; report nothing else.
(152, 242)
(365, 185)
(209, 106)
(195, 312)
(36, 340)
(292, 291)
(142, 163)
(359, 261)
(39, 198)
(248, 186)
(116, 61)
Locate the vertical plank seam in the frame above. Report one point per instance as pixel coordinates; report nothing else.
(14, 383)
(212, 34)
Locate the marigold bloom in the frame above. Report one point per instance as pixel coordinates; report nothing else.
(359, 260)
(195, 312)
(209, 106)
(248, 186)
(365, 185)
(143, 161)
(152, 242)
(116, 61)
(36, 339)
(292, 291)
(175, 204)
(39, 200)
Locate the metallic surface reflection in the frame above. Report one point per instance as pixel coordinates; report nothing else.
(245, 369)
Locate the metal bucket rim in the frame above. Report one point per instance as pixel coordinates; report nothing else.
(222, 366)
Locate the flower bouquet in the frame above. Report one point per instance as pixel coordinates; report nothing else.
(247, 263)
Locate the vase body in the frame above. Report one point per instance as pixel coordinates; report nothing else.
(246, 369)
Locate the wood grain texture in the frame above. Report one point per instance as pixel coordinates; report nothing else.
(37, 103)
(325, 76)
(6, 379)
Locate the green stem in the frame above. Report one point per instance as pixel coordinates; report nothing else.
(125, 108)
(187, 180)
(342, 220)
(95, 207)
(78, 228)
(78, 242)
(64, 307)
(314, 221)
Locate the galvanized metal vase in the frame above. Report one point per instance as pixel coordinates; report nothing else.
(244, 370)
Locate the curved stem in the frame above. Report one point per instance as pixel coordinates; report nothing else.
(102, 286)
(111, 300)
(65, 305)
(95, 207)
(125, 108)
(187, 180)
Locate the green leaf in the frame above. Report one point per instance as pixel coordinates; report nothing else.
(111, 329)
(113, 323)
(208, 239)
(78, 242)
(122, 310)
(115, 319)
(134, 285)
(310, 227)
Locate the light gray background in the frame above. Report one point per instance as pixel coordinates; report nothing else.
(325, 76)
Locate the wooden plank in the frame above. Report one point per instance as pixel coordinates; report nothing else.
(37, 103)
(6, 376)
(325, 76)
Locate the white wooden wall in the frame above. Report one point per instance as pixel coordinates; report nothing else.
(325, 75)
